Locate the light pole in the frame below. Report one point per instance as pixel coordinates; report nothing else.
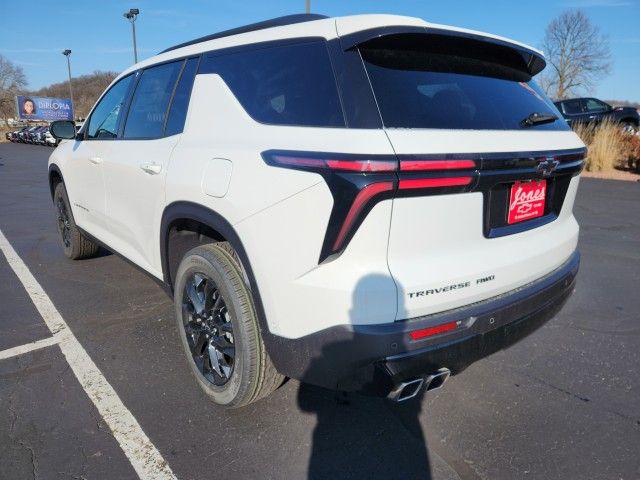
(131, 15)
(308, 6)
(67, 53)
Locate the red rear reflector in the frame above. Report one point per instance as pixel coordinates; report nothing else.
(434, 182)
(361, 199)
(413, 165)
(430, 331)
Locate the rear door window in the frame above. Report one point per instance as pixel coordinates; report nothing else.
(572, 107)
(148, 110)
(283, 85)
(439, 82)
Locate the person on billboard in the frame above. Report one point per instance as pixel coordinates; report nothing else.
(28, 107)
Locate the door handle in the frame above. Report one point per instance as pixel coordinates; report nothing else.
(151, 168)
(95, 160)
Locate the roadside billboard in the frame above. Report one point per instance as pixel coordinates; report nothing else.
(44, 108)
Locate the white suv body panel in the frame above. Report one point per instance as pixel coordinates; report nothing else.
(437, 241)
(281, 215)
(282, 227)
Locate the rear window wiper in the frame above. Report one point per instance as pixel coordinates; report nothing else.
(538, 119)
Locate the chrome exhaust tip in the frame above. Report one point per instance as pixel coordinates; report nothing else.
(437, 380)
(410, 388)
(406, 390)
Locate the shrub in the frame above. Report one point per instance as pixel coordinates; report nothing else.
(632, 152)
(609, 146)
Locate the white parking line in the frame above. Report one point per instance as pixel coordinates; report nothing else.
(27, 347)
(143, 455)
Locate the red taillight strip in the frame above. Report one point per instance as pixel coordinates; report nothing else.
(423, 165)
(359, 202)
(361, 166)
(298, 161)
(434, 182)
(430, 331)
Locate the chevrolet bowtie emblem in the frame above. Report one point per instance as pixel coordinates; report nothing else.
(548, 166)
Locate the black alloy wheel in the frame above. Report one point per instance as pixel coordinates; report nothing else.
(209, 329)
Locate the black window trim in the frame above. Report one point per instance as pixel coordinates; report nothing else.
(175, 88)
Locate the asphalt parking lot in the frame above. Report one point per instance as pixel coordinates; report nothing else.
(562, 404)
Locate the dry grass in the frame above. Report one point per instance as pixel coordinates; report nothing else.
(609, 146)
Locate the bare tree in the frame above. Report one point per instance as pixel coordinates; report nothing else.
(577, 53)
(12, 81)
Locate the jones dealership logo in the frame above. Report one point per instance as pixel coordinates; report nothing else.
(527, 200)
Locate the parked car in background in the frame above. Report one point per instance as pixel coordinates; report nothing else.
(592, 110)
(23, 135)
(8, 135)
(34, 136)
(48, 139)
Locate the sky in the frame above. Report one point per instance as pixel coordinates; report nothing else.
(100, 37)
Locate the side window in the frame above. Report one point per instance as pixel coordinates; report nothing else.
(283, 85)
(147, 113)
(572, 107)
(594, 105)
(180, 102)
(104, 119)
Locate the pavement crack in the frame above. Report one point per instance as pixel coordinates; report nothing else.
(34, 467)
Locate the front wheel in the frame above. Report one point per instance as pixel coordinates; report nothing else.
(218, 328)
(74, 243)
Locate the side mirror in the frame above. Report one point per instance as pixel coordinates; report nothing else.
(63, 129)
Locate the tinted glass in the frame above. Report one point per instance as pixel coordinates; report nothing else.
(283, 85)
(572, 107)
(594, 105)
(448, 84)
(104, 119)
(180, 102)
(148, 109)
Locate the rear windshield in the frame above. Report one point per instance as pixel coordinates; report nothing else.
(433, 81)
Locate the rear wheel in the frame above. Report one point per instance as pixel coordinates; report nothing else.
(74, 243)
(218, 328)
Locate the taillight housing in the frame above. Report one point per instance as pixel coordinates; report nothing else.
(358, 182)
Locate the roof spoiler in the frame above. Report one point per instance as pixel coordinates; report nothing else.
(533, 59)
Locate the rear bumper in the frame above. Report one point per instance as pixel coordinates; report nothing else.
(374, 358)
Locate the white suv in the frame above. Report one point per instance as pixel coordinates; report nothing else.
(367, 203)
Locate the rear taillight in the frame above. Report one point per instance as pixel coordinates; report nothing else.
(358, 182)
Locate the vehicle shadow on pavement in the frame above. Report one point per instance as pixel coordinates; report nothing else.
(364, 437)
(358, 436)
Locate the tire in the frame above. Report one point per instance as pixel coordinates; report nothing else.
(630, 128)
(75, 245)
(218, 328)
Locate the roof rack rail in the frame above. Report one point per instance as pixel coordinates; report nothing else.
(274, 22)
